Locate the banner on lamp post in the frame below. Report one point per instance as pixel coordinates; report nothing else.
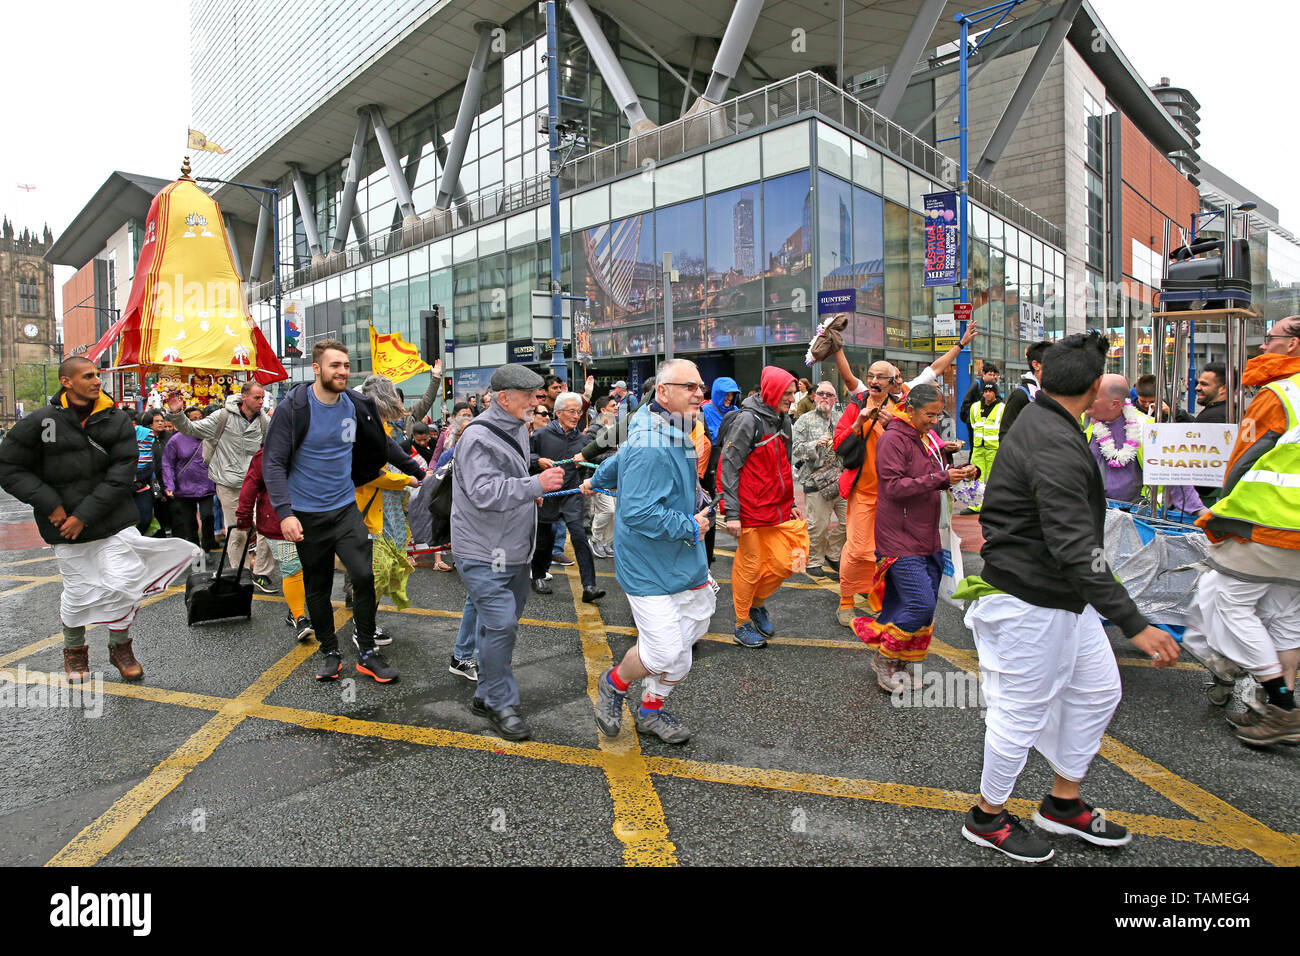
(942, 239)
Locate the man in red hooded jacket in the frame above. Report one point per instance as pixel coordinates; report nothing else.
(757, 485)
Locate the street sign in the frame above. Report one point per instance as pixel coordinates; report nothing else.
(962, 311)
(450, 346)
(837, 300)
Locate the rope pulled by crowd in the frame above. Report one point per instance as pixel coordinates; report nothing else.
(578, 491)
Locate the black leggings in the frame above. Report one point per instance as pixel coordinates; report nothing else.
(325, 534)
(186, 520)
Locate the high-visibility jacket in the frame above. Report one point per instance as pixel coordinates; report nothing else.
(984, 429)
(1266, 493)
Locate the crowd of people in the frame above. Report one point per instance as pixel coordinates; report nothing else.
(858, 494)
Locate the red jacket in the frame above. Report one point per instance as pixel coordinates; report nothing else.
(754, 472)
(252, 495)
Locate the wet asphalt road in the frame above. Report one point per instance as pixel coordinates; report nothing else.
(798, 758)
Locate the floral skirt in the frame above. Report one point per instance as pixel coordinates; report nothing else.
(904, 593)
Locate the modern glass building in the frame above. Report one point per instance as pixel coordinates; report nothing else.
(764, 200)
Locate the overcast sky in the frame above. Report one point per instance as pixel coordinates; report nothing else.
(102, 86)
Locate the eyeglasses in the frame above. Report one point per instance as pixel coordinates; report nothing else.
(1282, 335)
(825, 394)
(689, 386)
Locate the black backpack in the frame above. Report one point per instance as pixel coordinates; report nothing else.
(440, 500)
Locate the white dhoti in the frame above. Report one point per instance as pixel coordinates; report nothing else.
(1051, 683)
(105, 580)
(668, 625)
(1248, 622)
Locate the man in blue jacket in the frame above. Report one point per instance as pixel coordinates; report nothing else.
(659, 530)
(724, 400)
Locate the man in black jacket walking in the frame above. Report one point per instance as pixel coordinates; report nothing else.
(74, 461)
(325, 440)
(1050, 677)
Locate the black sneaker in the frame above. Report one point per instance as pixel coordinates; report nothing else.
(1008, 835)
(541, 587)
(288, 618)
(382, 639)
(466, 669)
(1082, 821)
(305, 631)
(264, 584)
(374, 665)
(331, 666)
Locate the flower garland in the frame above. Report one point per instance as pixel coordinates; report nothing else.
(1119, 458)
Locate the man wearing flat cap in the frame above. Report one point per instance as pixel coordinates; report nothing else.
(493, 535)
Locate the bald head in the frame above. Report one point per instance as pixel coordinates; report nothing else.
(879, 375)
(1110, 398)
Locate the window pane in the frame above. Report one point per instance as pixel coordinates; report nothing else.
(785, 149)
(735, 282)
(732, 165)
(869, 251)
(897, 296)
(680, 230)
(678, 181)
(787, 238)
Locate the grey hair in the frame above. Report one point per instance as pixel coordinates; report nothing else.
(567, 398)
(666, 366)
(923, 395)
(384, 392)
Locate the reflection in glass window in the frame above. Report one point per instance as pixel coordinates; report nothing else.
(997, 293)
(787, 238)
(897, 298)
(735, 282)
(465, 303)
(835, 225)
(618, 270)
(869, 256)
(492, 297)
(922, 299)
(680, 230)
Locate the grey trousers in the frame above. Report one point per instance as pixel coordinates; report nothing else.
(498, 599)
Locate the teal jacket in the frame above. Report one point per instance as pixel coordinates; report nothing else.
(656, 537)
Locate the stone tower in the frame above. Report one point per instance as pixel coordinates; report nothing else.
(28, 332)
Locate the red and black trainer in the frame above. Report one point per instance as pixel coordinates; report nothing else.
(372, 664)
(1006, 834)
(1081, 820)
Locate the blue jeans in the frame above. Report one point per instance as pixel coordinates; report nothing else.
(496, 601)
(560, 535)
(467, 637)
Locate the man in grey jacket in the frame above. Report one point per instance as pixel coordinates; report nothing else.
(235, 434)
(493, 535)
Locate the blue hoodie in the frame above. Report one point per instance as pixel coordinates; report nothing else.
(713, 410)
(656, 537)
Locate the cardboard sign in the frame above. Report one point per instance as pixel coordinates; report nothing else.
(1188, 453)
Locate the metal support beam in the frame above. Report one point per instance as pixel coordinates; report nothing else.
(259, 241)
(914, 44)
(1027, 86)
(394, 164)
(636, 38)
(307, 213)
(690, 76)
(351, 176)
(449, 182)
(234, 247)
(731, 48)
(611, 70)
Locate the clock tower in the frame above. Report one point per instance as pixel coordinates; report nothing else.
(29, 348)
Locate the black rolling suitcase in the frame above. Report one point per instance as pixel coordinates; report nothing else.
(226, 593)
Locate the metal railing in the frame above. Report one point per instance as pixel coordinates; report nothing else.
(803, 94)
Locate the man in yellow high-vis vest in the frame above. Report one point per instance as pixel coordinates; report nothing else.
(985, 424)
(1248, 605)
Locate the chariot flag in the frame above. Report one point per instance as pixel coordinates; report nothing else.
(391, 357)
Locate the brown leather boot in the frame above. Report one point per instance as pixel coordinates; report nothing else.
(76, 663)
(121, 657)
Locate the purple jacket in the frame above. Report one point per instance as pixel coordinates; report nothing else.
(193, 480)
(909, 485)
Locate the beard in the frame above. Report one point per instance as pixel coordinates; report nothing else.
(329, 386)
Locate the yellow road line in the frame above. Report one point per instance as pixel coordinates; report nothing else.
(46, 642)
(638, 815)
(104, 834)
(35, 578)
(896, 794)
(906, 795)
(14, 564)
(7, 592)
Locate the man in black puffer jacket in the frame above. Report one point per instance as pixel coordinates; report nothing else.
(74, 461)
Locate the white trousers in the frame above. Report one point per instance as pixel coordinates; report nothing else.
(104, 581)
(602, 519)
(668, 625)
(1245, 621)
(1051, 683)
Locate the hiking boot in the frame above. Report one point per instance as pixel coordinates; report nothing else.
(122, 657)
(76, 663)
(331, 666)
(609, 705)
(1008, 835)
(466, 669)
(762, 623)
(305, 631)
(747, 636)
(1276, 726)
(817, 572)
(541, 587)
(663, 725)
(1243, 718)
(1082, 821)
(374, 665)
(264, 584)
(592, 595)
(887, 676)
(845, 616)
